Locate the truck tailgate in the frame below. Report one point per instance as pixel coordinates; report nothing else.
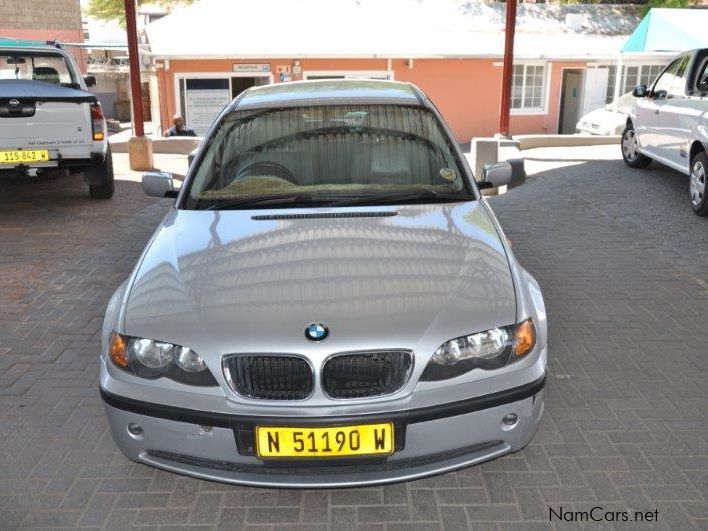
(38, 114)
(53, 124)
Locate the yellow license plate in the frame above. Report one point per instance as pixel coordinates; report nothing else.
(368, 439)
(25, 155)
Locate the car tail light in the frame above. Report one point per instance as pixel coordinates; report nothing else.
(98, 122)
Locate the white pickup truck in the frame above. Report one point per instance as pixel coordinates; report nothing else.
(669, 123)
(48, 120)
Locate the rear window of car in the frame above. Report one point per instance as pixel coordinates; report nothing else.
(332, 151)
(50, 68)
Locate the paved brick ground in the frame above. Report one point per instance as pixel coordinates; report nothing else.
(624, 267)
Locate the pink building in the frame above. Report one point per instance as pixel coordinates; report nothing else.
(205, 54)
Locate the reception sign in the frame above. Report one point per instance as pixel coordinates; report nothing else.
(249, 67)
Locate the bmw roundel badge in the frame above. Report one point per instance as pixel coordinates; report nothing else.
(316, 331)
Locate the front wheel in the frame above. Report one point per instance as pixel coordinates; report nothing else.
(699, 197)
(101, 179)
(630, 149)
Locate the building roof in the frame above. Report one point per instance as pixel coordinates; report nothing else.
(390, 29)
(323, 92)
(104, 34)
(669, 30)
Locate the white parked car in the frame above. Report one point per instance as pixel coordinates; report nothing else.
(668, 123)
(48, 120)
(609, 120)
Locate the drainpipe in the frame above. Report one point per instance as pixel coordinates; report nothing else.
(139, 146)
(507, 71)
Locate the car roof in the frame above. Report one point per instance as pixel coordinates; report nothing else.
(328, 92)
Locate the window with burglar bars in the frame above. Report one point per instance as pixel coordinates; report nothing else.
(528, 86)
(640, 75)
(632, 76)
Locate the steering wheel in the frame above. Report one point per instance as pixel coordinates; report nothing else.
(260, 168)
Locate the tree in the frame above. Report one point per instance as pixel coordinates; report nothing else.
(115, 9)
(670, 3)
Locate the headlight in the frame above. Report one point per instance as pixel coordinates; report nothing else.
(152, 354)
(152, 359)
(488, 350)
(189, 361)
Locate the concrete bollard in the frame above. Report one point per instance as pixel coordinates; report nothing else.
(140, 153)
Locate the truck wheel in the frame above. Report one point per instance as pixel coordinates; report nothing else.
(100, 178)
(699, 191)
(630, 149)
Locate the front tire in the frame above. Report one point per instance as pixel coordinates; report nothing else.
(101, 178)
(630, 149)
(699, 195)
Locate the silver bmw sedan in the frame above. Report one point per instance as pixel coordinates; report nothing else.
(329, 302)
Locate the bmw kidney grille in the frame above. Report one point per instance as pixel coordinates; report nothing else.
(269, 377)
(344, 376)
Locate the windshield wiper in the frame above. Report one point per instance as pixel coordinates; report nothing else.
(308, 200)
(377, 199)
(258, 201)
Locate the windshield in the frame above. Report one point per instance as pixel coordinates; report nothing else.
(50, 68)
(327, 155)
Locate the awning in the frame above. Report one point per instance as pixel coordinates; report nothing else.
(669, 30)
(97, 45)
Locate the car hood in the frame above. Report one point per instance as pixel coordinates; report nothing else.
(391, 277)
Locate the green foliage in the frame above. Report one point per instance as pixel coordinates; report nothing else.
(668, 3)
(115, 9)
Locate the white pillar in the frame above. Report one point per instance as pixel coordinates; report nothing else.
(618, 77)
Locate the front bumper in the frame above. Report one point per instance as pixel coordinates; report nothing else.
(437, 439)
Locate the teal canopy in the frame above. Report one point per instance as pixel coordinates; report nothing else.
(669, 30)
(21, 43)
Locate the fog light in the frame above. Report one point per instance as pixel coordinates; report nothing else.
(509, 421)
(135, 430)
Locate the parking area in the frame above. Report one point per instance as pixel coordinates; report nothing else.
(623, 263)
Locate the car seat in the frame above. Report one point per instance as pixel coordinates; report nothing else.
(46, 74)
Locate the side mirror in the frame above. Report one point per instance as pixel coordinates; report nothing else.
(660, 95)
(497, 174)
(640, 91)
(158, 184)
(90, 81)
